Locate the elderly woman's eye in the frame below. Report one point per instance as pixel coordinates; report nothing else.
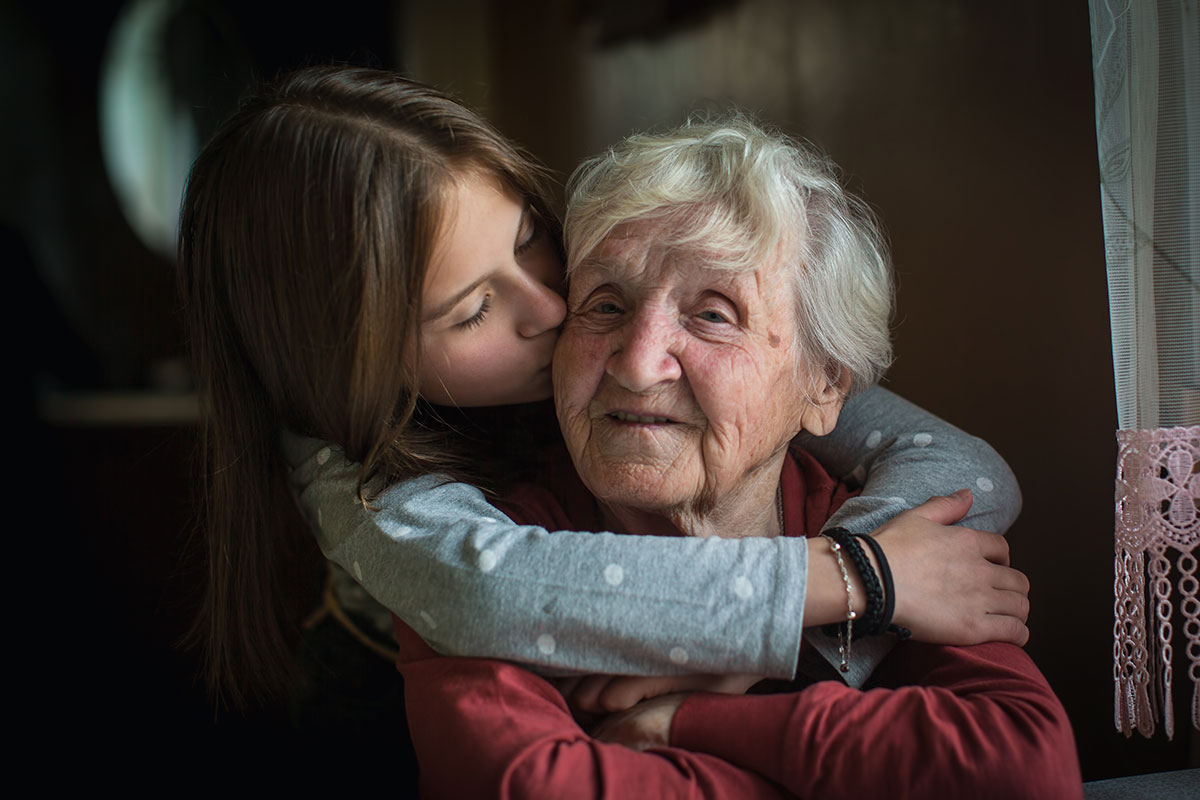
(712, 316)
(607, 308)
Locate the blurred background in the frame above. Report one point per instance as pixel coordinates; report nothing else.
(969, 127)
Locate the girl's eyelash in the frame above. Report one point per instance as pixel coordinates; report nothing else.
(476, 319)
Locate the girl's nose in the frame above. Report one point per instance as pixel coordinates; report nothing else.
(545, 309)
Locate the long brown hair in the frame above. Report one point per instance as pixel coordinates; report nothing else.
(306, 228)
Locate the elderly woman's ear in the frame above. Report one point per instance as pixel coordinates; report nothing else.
(825, 398)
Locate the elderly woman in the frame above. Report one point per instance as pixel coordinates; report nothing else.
(717, 273)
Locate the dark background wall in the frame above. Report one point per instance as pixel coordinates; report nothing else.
(968, 127)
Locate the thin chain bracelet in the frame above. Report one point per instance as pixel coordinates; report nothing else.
(846, 631)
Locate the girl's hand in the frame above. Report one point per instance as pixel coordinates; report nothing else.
(647, 724)
(605, 694)
(953, 585)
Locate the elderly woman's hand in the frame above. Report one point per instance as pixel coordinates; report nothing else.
(953, 585)
(604, 694)
(647, 724)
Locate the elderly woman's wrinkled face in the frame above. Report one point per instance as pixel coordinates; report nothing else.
(677, 385)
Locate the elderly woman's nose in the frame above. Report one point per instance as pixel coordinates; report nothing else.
(644, 353)
(544, 309)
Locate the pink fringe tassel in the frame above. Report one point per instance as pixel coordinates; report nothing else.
(1157, 512)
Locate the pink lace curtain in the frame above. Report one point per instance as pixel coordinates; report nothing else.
(1146, 62)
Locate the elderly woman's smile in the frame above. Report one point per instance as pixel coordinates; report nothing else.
(676, 381)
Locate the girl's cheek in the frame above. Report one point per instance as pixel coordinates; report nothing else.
(435, 353)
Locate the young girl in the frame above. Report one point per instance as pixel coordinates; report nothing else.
(361, 256)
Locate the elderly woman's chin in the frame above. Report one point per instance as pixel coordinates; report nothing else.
(640, 472)
(670, 480)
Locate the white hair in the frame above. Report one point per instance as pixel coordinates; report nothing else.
(744, 196)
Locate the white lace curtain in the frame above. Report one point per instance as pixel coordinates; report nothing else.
(1146, 63)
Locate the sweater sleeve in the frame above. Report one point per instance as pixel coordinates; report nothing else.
(472, 582)
(485, 728)
(903, 455)
(940, 722)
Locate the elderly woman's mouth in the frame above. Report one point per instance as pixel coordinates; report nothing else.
(625, 416)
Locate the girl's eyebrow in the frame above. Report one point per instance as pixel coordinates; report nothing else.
(445, 308)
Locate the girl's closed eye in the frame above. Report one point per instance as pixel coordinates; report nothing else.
(476, 319)
(531, 231)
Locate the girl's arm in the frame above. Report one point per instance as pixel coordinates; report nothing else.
(903, 455)
(473, 583)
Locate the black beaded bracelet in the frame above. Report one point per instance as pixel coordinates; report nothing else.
(889, 588)
(871, 621)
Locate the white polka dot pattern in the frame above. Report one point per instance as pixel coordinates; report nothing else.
(922, 439)
(545, 643)
(614, 574)
(874, 438)
(323, 455)
(487, 560)
(358, 571)
(428, 619)
(678, 655)
(394, 530)
(742, 587)
(985, 484)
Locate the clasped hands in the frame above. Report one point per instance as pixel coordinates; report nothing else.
(637, 711)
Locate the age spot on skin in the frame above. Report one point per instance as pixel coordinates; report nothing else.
(772, 339)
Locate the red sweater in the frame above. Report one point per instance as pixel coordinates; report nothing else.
(939, 722)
